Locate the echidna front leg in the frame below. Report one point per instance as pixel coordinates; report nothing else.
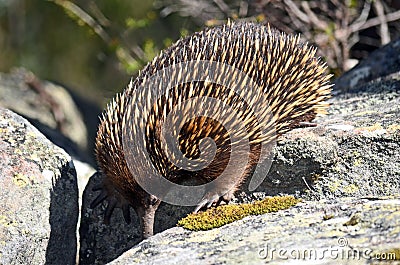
(145, 207)
(146, 215)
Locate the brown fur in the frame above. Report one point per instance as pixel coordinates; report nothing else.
(291, 77)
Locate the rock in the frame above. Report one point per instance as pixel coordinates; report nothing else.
(39, 196)
(380, 63)
(344, 230)
(52, 109)
(365, 127)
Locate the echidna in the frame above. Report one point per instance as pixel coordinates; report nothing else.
(289, 88)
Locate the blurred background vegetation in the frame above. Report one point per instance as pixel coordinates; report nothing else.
(95, 46)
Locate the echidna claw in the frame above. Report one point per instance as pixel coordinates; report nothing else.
(99, 199)
(114, 200)
(126, 213)
(206, 203)
(200, 206)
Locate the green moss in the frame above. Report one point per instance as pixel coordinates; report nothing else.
(225, 214)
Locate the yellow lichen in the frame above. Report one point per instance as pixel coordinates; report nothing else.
(396, 252)
(3, 219)
(334, 186)
(203, 236)
(394, 127)
(363, 113)
(375, 127)
(387, 255)
(225, 214)
(34, 157)
(18, 151)
(327, 217)
(354, 220)
(20, 180)
(6, 222)
(358, 162)
(352, 188)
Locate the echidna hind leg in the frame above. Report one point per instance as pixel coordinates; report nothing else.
(210, 200)
(113, 198)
